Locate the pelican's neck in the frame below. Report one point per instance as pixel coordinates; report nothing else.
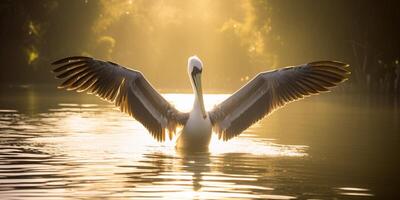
(198, 99)
(197, 104)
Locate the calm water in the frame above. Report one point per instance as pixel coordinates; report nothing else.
(55, 145)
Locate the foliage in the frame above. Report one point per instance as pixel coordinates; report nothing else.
(235, 40)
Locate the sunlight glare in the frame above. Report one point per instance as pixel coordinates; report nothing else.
(77, 123)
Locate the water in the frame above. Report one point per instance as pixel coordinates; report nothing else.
(72, 146)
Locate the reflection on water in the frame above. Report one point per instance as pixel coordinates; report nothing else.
(67, 150)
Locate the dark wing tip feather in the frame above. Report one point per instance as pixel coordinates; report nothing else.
(332, 69)
(70, 58)
(329, 63)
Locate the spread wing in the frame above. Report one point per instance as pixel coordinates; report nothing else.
(127, 89)
(273, 89)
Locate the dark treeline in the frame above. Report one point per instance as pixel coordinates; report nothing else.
(362, 33)
(33, 32)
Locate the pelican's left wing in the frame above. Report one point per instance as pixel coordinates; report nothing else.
(271, 90)
(127, 89)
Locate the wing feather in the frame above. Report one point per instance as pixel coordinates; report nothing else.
(127, 89)
(271, 90)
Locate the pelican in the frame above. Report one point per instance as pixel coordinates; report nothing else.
(130, 91)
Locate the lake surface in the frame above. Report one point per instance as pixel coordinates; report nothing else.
(57, 145)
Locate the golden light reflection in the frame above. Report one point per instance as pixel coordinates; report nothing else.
(122, 135)
(98, 149)
(256, 146)
(109, 149)
(90, 127)
(77, 123)
(354, 191)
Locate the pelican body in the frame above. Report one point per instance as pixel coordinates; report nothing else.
(196, 134)
(130, 91)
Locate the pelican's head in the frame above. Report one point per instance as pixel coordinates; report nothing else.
(195, 67)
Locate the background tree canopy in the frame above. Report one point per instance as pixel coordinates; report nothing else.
(235, 41)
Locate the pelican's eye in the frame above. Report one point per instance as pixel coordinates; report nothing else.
(196, 70)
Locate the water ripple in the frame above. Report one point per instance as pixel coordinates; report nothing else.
(85, 151)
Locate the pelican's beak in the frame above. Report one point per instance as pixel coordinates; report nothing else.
(199, 90)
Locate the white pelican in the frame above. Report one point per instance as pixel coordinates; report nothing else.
(132, 93)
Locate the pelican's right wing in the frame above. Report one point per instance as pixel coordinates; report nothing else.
(271, 90)
(128, 89)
